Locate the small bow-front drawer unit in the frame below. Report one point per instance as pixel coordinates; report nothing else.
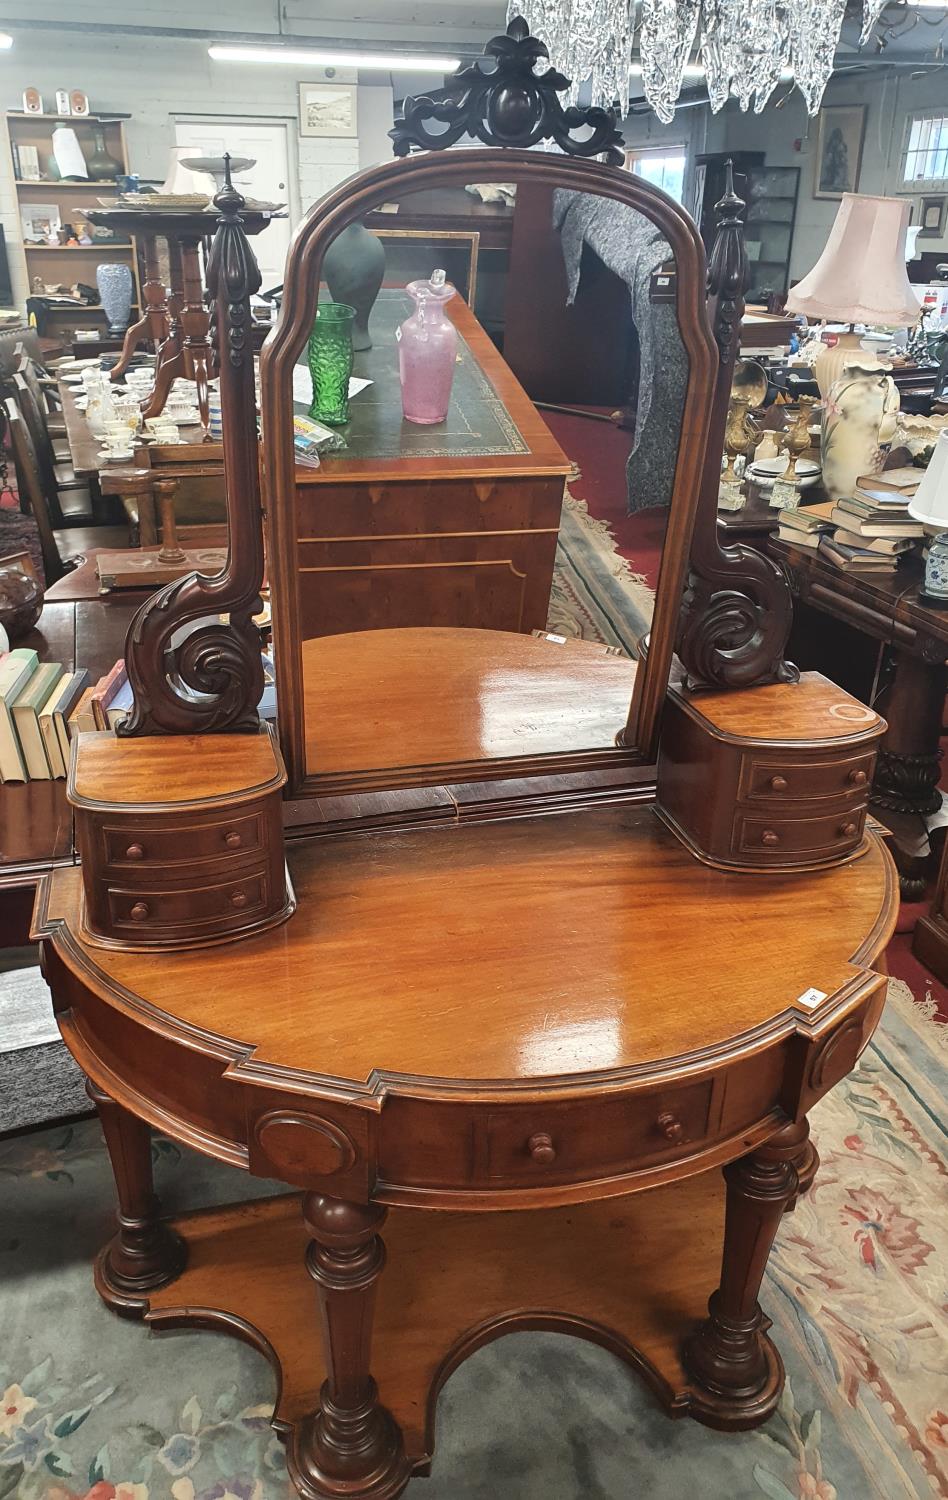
(775, 778)
(181, 837)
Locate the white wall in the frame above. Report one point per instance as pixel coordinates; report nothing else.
(180, 79)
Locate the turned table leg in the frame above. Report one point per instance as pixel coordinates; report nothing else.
(735, 1370)
(350, 1446)
(145, 1253)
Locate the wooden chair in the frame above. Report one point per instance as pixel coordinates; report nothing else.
(57, 477)
(32, 490)
(45, 393)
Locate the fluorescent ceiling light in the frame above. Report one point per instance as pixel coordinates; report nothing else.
(6, 41)
(389, 62)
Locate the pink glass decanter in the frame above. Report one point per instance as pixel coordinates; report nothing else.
(427, 351)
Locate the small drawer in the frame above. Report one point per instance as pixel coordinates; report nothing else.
(574, 1142)
(138, 846)
(786, 780)
(775, 838)
(210, 907)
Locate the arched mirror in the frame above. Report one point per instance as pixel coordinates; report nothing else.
(431, 577)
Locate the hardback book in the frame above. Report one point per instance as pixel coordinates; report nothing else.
(81, 719)
(120, 705)
(809, 539)
(879, 502)
(885, 546)
(52, 719)
(903, 481)
(26, 709)
(104, 691)
(871, 525)
(16, 668)
(854, 559)
(808, 517)
(63, 710)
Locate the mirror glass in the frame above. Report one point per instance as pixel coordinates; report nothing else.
(491, 513)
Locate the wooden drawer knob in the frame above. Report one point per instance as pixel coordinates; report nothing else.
(139, 911)
(848, 830)
(671, 1128)
(778, 783)
(233, 839)
(857, 778)
(238, 899)
(134, 851)
(769, 838)
(542, 1149)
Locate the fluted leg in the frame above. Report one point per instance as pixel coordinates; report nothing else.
(145, 1253)
(351, 1446)
(736, 1373)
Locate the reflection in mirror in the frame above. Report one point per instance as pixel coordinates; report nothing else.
(537, 507)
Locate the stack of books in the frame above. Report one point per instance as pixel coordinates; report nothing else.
(872, 527)
(43, 707)
(805, 525)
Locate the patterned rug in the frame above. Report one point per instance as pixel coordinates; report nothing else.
(596, 595)
(98, 1408)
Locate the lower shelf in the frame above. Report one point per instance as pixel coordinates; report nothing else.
(633, 1275)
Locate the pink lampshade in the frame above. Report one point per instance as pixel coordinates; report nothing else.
(861, 275)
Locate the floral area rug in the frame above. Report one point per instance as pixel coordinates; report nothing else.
(596, 595)
(95, 1407)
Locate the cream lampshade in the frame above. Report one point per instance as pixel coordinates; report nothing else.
(859, 278)
(930, 501)
(930, 504)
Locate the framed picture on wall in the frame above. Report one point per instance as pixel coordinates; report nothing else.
(412, 255)
(839, 149)
(328, 109)
(931, 217)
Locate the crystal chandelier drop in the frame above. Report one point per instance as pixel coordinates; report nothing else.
(743, 45)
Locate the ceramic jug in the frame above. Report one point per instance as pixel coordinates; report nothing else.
(858, 415)
(427, 351)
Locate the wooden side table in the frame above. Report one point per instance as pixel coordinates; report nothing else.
(886, 607)
(506, 1092)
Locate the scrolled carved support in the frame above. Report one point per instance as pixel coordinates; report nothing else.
(507, 103)
(737, 610)
(210, 679)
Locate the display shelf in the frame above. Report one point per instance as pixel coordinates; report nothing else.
(36, 131)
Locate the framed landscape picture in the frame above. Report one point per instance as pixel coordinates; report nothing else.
(839, 149)
(328, 109)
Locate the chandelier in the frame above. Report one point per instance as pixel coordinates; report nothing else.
(744, 45)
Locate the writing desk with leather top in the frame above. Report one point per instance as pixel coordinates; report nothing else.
(503, 1054)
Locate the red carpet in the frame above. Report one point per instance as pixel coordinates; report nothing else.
(599, 451)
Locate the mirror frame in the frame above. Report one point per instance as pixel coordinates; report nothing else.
(350, 202)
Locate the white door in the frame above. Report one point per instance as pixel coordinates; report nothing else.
(267, 179)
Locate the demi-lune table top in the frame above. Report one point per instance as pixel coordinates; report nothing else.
(544, 952)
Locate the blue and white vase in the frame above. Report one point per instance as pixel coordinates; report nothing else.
(115, 289)
(936, 568)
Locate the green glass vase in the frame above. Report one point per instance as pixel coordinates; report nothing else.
(330, 362)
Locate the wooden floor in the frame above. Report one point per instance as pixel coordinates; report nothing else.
(655, 1262)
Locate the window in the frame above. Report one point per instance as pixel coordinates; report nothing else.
(662, 165)
(925, 155)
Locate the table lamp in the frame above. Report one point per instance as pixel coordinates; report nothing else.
(859, 278)
(930, 505)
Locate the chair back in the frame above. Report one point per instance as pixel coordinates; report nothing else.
(35, 419)
(31, 488)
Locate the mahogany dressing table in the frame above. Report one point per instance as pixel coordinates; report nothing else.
(544, 1063)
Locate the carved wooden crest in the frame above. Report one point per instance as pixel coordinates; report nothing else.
(501, 100)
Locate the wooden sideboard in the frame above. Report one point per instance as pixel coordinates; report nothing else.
(453, 525)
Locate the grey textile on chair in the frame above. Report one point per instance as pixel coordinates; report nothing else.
(633, 248)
